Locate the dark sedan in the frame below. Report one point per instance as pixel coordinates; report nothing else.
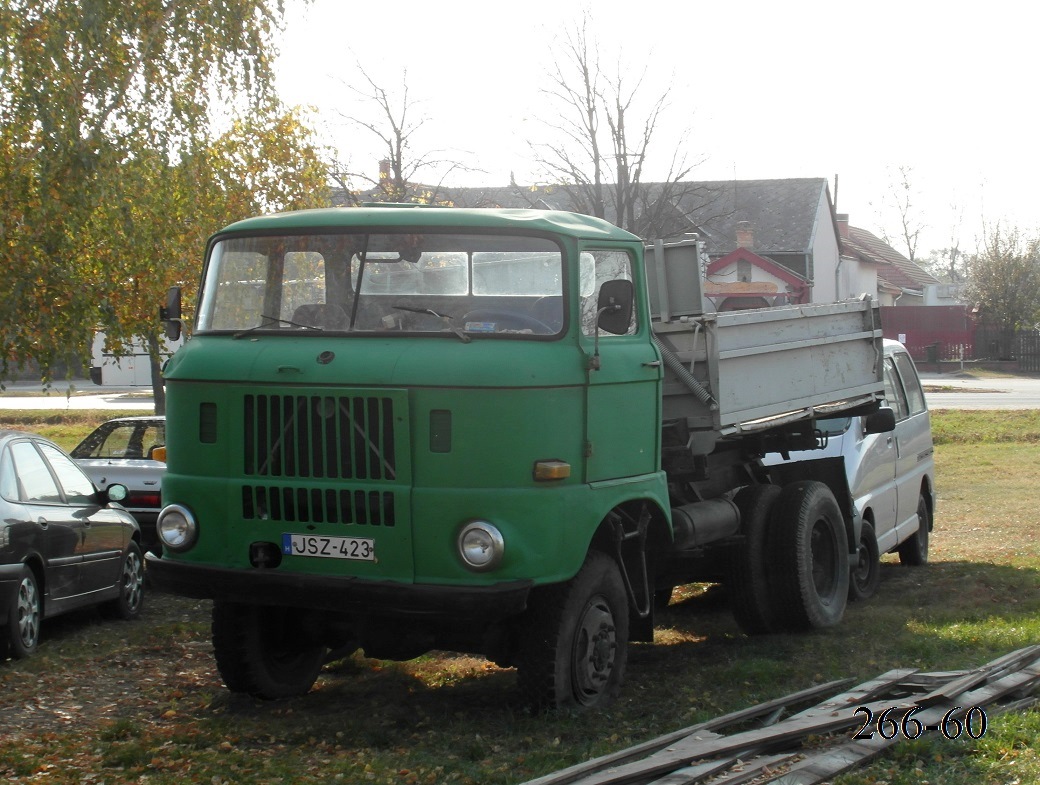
(129, 451)
(63, 543)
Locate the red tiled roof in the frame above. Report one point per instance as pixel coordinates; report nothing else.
(892, 265)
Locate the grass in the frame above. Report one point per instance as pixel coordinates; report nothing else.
(952, 426)
(159, 713)
(66, 428)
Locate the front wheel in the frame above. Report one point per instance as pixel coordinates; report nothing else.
(575, 640)
(810, 548)
(914, 551)
(264, 651)
(24, 615)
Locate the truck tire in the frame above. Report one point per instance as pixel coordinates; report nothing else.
(750, 585)
(263, 651)
(811, 556)
(575, 640)
(914, 551)
(865, 578)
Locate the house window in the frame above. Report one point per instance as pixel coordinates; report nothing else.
(744, 270)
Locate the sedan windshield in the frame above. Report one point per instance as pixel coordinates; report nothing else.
(385, 283)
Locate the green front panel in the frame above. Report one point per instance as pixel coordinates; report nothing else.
(487, 472)
(255, 463)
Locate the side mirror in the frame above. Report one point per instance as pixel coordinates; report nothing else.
(170, 314)
(115, 492)
(614, 306)
(881, 421)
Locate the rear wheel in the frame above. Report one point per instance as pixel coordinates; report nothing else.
(575, 640)
(264, 651)
(866, 576)
(914, 552)
(130, 601)
(24, 616)
(811, 556)
(752, 595)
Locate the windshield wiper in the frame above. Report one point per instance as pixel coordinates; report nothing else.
(442, 316)
(278, 320)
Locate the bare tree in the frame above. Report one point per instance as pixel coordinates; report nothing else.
(603, 132)
(949, 263)
(405, 174)
(901, 198)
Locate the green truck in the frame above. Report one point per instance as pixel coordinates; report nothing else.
(503, 432)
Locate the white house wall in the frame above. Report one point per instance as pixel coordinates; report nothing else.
(857, 278)
(728, 274)
(826, 252)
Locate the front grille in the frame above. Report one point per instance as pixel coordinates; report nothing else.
(318, 505)
(320, 436)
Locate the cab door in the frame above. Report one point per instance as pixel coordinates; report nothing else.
(622, 436)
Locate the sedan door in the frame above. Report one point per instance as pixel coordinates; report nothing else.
(103, 533)
(60, 535)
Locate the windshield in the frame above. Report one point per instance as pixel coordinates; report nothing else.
(386, 283)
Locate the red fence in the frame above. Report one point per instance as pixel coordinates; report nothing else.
(931, 332)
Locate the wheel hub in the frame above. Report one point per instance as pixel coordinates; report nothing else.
(28, 613)
(595, 646)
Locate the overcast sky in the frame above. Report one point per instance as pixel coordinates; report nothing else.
(767, 89)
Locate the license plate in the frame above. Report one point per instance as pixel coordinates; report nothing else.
(329, 547)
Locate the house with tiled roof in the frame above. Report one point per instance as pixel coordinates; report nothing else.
(897, 280)
(768, 242)
(761, 233)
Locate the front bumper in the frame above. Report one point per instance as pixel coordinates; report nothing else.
(339, 594)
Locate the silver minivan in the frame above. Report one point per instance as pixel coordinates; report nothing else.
(891, 473)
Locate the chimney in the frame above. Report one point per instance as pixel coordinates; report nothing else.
(384, 170)
(843, 225)
(745, 235)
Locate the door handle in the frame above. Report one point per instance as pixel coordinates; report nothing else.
(44, 523)
(652, 364)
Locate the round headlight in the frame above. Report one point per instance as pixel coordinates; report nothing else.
(177, 528)
(480, 546)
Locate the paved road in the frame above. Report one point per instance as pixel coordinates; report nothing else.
(85, 395)
(942, 391)
(951, 391)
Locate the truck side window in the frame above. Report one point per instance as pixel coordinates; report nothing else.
(894, 395)
(911, 383)
(598, 267)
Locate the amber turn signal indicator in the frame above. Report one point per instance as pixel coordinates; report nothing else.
(551, 470)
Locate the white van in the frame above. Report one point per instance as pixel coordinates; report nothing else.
(891, 474)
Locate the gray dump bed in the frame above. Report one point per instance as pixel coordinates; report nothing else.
(730, 373)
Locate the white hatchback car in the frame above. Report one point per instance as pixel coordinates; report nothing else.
(891, 473)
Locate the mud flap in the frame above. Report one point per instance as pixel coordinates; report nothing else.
(630, 536)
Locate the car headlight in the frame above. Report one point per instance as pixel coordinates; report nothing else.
(480, 546)
(177, 528)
